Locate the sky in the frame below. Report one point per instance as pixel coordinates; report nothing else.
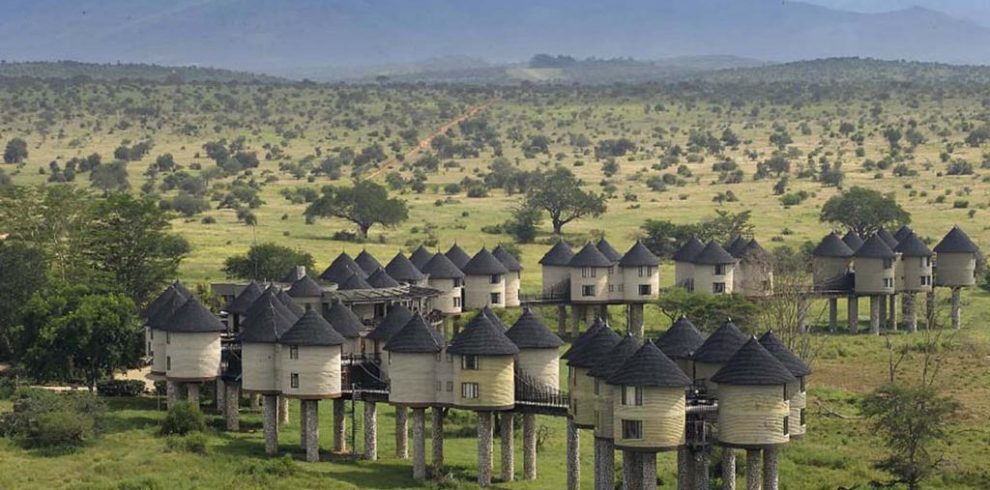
(974, 10)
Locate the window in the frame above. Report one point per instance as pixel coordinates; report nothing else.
(611, 288)
(168, 362)
(718, 287)
(496, 278)
(496, 298)
(469, 390)
(168, 337)
(457, 282)
(632, 395)
(450, 386)
(294, 380)
(888, 263)
(802, 384)
(787, 425)
(645, 270)
(632, 429)
(611, 270)
(293, 352)
(645, 290)
(588, 290)
(888, 282)
(802, 417)
(457, 301)
(587, 272)
(469, 363)
(719, 269)
(926, 280)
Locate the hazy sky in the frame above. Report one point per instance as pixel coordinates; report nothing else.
(974, 10)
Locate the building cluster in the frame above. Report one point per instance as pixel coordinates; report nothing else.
(741, 266)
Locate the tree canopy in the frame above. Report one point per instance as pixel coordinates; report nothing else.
(16, 151)
(365, 204)
(864, 211)
(558, 192)
(266, 261)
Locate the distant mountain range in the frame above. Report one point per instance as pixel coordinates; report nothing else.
(331, 38)
(128, 71)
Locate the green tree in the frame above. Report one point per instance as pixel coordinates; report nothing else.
(23, 271)
(16, 151)
(110, 177)
(523, 224)
(266, 261)
(864, 211)
(558, 192)
(48, 218)
(365, 204)
(707, 311)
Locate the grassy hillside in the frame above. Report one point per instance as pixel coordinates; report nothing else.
(128, 71)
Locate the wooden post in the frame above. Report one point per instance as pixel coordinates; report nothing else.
(634, 319)
(484, 449)
(401, 433)
(753, 478)
(685, 473)
(573, 456)
(437, 441)
(910, 312)
(875, 309)
(419, 443)
(506, 422)
(270, 424)
(604, 464)
(956, 308)
(852, 304)
(728, 468)
(339, 425)
(370, 431)
(311, 422)
(833, 314)
(231, 411)
(770, 468)
(529, 446)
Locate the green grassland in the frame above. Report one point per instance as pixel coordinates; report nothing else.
(64, 120)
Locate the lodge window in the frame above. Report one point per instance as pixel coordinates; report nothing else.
(718, 287)
(611, 288)
(632, 395)
(294, 352)
(719, 269)
(611, 270)
(632, 429)
(152, 333)
(457, 301)
(802, 417)
(168, 362)
(469, 390)
(587, 290)
(787, 425)
(469, 363)
(926, 261)
(496, 298)
(587, 272)
(457, 282)
(645, 271)
(888, 282)
(294, 380)
(168, 337)
(888, 263)
(926, 280)
(645, 290)
(496, 278)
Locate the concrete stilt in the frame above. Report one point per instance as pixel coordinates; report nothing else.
(648, 470)
(218, 394)
(561, 320)
(910, 312)
(529, 446)
(577, 314)
(270, 423)
(573, 456)
(833, 314)
(401, 433)
(728, 469)
(684, 468)
(892, 312)
(701, 456)
(302, 426)
(231, 411)
(632, 471)
(929, 308)
(770, 468)
(604, 464)
(601, 313)
(311, 422)
(753, 477)
(883, 312)
(852, 304)
(956, 308)
(255, 400)
(484, 449)
(419, 443)
(192, 393)
(171, 393)
(875, 309)
(370, 431)
(437, 428)
(339, 426)
(507, 432)
(634, 319)
(283, 410)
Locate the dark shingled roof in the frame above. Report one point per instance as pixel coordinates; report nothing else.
(595, 349)
(852, 240)
(530, 333)
(294, 274)
(484, 263)
(689, 250)
(753, 365)
(649, 367)
(720, 345)
(956, 241)
(874, 248)
(582, 339)
(440, 267)
(793, 363)
(487, 311)
(367, 262)
(380, 279)
(902, 232)
(311, 329)
(341, 269)
(344, 321)
(483, 338)
(608, 250)
(267, 320)
(396, 318)
(638, 255)
(832, 246)
(887, 237)
(507, 259)
(355, 282)
(164, 305)
(752, 251)
(911, 246)
(402, 270)
(182, 289)
(305, 287)
(712, 254)
(243, 301)
(736, 246)
(680, 340)
(288, 302)
(416, 337)
(560, 254)
(420, 257)
(615, 358)
(589, 256)
(193, 317)
(458, 256)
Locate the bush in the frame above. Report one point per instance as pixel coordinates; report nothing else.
(46, 419)
(182, 419)
(120, 387)
(195, 442)
(61, 428)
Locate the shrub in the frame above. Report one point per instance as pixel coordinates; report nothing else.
(195, 442)
(120, 387)
(61, 428)
(45, 419)
(182, 419)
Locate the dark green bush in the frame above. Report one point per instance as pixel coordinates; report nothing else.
(182, 419)
(45, 419)
(120, 387)
(195, 442)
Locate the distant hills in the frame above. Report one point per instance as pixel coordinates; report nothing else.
(327, 39)
(129, 71)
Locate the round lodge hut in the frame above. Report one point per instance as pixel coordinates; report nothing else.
(718, 348)
(650, 404)
(420, 257)
(484, 281)
(679, 343)
(830, 262)
(753, 275)
(307, 293)
(158, 315)
(266, 321)
(955, 260)
(238, 307)
(615, 290)
(714, 270)
(902, 232)
(640, 274)
(341, 269)
(396, 318)
(753, 410)
(287, 301)
(514, 277)
(580, 385)
(554, 269)
(348, 325)
(414, 355)
(192, 338)
(684, 263)
(458, 256)
(797, 390)
(484, 366)
(446, 277)
(402, 270)
(887, 237)
(914, 272)
(538, 361)
(604, 392)
(589, 270)
(875, 271)
(309, 362)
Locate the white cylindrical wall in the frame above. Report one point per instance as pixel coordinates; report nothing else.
(159, 352)
(914, 274)
(478, 292)
(596, 277)
(705, 278)
(554, 276)
(414, 381)
(540, 365)
(872, 277)
(955, 269)
(634, 277)
(828, 269)
(752, 416)
(193, 356)
(448, 301)
(512, 285)
(259, 367)
(318, 370)
(684, 275)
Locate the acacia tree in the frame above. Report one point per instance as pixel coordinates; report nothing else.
(16, 151)
(558, 192)
(864, 211)
(266, 261)
(365, 204)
